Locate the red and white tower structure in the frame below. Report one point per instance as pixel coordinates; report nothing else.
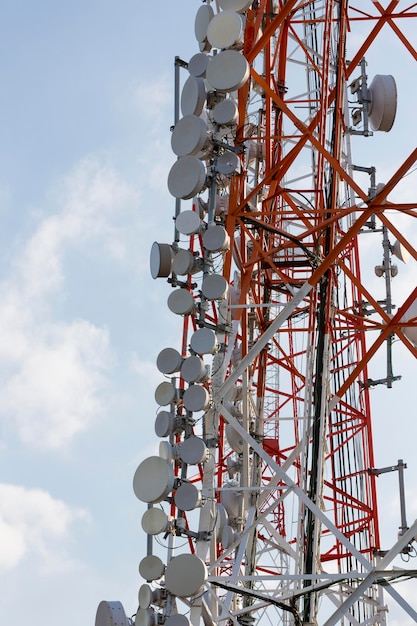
(264, 490)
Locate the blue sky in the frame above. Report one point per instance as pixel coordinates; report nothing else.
(85, 111)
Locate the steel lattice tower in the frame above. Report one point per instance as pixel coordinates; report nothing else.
(265, 488)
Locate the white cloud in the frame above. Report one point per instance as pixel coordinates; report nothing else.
(53, 380)
(34, 525)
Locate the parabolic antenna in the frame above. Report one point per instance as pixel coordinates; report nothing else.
(169, 361)
(234, 439)
(204, 341)
(226, 30)
(193, 96)
(225, 113)
(214, 287)
(400, 252)
(151, 567)
(383, 102)
(235, 5)
(189, 135)
(145, 617)
(216, 239)
(228, 537)
(227, 163)
(154, 521)
(181, 302)
(164, 424)
(187, 497)
(185, 575)
(228, 71)
(197, 65)
(410, 332)
(230, 498)
(196, 398)
(111, 614)
(193, 369)
(161, 260)
(202, 20)
(186, 263)
(165, 393)
(145, 596)
(186, 177)
(153, 480)
(189, 223)
(193, 450)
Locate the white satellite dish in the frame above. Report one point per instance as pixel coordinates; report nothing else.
(230, 498)
(400, 252)
(202, 20)
(154, 521)
(151, 567)
(187, 497)
(193, 96)
(226, 113)
(111, 614)
(165, 393)
(145, 596)
(226, 30)
(228, 537)
(216, 239)
(189, 223)
(153, 480)
(197, 65)
(214, 287)
(146, 617)
(383, 102)
(410, 332)
(187, 177)
(196, 398)
(204, 341)
(228, 71)
(193, 450)
(193, 370)
(189, 136)
(186, 263)
(181, 302)
(185, 575)
(164, 424)
(228, 163)
(169, 361)
(161, 260)
(235, 5)
(234, 439)
(167, 451)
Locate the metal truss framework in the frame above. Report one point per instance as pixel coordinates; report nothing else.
(291, 379)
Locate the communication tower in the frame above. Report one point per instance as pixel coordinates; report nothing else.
(264, 490)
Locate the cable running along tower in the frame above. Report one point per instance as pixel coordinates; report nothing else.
(264, 490)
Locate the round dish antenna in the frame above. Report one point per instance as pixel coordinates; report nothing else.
(153, 480)
(235, 5)
(228, 71)
(185, 575)
(193, 95)
(204, 341)
(189, 136)
(111, 614)
(383, 102)
(197, 65)
(225, 113)
(164, 424)
(169, 361)
(196, 398)
(214, 287)
(187, 497)
(187, 177)
(154, 522)
(400, 252)
(226, 30)
(181, 302)
(151, 568)
(161, 260)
